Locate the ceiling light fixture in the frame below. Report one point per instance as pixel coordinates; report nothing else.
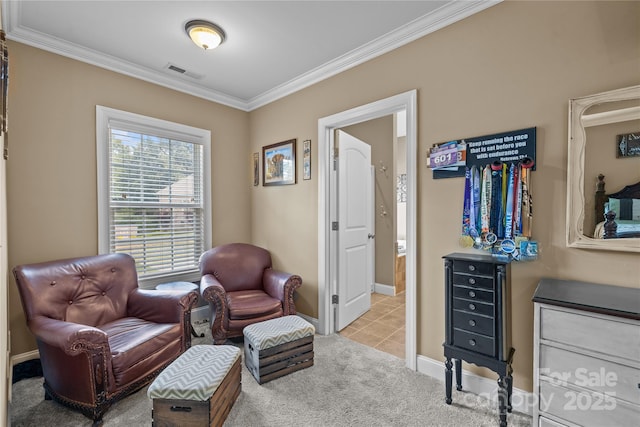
(204, 33)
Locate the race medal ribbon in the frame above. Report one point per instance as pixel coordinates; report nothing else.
(496, 195)
(466, 240)
(505, 175)
(527, 200)
(474, 202)
(517, 229)
(475, 207)
(485, 202)
(508, 245)
(466, 203)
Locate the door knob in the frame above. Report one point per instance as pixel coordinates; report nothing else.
(371, 236)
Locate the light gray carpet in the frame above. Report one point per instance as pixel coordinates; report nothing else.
(349, 385)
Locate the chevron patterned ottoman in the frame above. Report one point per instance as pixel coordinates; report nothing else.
(277, 347)
(198, 388)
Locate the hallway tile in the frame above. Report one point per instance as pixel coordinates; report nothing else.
(383, 326)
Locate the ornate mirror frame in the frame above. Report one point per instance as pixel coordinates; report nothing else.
(578, 121)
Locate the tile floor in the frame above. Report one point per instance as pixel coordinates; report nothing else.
(382, 327)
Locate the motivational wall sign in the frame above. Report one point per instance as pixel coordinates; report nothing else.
(506, 147)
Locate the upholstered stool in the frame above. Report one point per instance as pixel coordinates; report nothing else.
(198, 388)
(277, 347)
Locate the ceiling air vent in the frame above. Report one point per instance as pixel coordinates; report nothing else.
(175, 69)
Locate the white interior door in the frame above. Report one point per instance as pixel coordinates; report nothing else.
(355, 231)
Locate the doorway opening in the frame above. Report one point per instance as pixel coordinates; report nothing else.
(327, 247)
(381, 324)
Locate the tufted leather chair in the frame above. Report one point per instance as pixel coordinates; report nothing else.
(242, 288)
(100, 337)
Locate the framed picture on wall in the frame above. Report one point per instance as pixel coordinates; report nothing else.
(279, 163)
(306, 159)
(628, 145)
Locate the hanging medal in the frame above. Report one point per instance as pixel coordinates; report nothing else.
(505, 177)
(496, 195)
(485, 205)
(508, 245)
(527, 200)
(466, 241)
(474, 207)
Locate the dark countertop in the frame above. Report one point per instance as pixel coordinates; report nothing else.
(476, 257)
(594, 297)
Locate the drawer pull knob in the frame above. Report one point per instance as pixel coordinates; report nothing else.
(472, 306)
(472, 268)
(472, 322)
(180, 409)
(472, 294)
(472, 281)
(472, 343)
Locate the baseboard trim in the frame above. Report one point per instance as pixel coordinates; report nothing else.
(23, 357)
(522, 401)
(310, 319)
(384, 289)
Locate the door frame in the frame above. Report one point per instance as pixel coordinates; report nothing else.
(326, 208)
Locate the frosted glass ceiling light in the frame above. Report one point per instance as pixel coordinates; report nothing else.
(205, 34)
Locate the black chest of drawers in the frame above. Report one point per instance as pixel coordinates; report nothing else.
(478, 321)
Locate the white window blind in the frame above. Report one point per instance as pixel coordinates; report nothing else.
(156, 209)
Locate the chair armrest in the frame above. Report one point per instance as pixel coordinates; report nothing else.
(211, 289)
(281, 285)
(72, 338)
(160, 306)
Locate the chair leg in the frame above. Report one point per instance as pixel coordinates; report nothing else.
(194, 333)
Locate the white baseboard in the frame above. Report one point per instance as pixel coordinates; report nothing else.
(384, 289)
(310, 319)
(23, 357)
(522, 401)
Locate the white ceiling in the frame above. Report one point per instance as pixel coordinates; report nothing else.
(273, 48)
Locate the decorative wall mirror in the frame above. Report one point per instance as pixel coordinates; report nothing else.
(604, 140)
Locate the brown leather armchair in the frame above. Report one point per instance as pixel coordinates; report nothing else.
(100, 337)
(242, 288)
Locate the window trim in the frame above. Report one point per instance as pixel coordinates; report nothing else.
(105, 116)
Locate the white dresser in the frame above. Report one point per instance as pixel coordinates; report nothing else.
(586, 354)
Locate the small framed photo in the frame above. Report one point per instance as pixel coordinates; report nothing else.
(279, 163)
(256, 169)
(306, 159)
(628, 145)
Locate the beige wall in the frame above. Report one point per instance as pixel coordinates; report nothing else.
(378, 134)
(52, 199)
(512, 66)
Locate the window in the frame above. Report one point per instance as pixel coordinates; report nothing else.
(153, 193)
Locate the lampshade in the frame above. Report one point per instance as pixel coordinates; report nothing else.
(205, 34)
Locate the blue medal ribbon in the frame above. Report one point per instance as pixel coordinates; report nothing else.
(508, 226)
(474, 202)
(466, 220)
(496, 195)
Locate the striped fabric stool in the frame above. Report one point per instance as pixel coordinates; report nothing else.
(277, 347)
(198, 388)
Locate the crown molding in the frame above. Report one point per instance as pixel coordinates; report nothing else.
(420, 27)
(440, 18)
